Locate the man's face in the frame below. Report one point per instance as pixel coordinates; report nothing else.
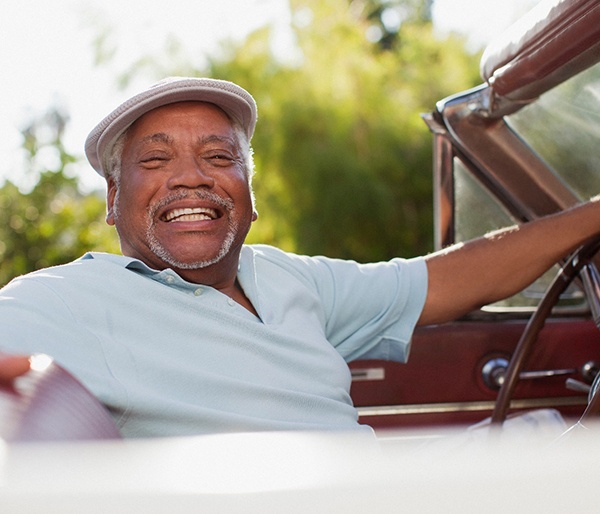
(183, 199)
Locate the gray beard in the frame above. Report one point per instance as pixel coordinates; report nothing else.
(165, 255)
(162, 253)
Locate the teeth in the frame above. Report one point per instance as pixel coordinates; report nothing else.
(187, 214)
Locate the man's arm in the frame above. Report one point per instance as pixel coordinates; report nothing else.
(484, 270)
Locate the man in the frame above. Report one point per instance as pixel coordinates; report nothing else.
(190, 331)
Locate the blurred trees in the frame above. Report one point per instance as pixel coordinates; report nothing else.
(385, 17)
(54, 222)
(343, 158)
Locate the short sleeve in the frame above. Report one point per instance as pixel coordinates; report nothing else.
(374, 308)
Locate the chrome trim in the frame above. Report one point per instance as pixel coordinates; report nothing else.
(591, 282)
(501, 160)
(368, 374)
(443, 183)
(443, 408)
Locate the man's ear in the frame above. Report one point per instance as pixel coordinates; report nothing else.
(111, 193)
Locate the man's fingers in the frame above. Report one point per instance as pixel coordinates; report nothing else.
(13, 366)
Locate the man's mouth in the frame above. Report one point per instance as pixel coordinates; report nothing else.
(191, 214)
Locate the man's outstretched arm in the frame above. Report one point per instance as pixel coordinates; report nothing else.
(468, 275)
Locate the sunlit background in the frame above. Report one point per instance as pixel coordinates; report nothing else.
(47, 51)
(342, 154)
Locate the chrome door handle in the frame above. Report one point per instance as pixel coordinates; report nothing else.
(494, 371)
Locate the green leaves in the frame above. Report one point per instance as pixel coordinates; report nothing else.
(343, 158)
(54, 222)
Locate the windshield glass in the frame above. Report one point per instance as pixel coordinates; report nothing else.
(563, 127)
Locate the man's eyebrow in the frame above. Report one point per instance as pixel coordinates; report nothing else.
(159, 137)
(218, 139)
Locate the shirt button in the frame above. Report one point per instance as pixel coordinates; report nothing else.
(169, 279)
(198, 292)
(231, 302)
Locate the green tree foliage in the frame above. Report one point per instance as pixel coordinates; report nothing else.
(54, 222)
(387, 16)
(343, 157)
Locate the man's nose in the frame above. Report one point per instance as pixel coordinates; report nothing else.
(191, 173)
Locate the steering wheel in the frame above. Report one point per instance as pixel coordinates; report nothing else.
(578, 263)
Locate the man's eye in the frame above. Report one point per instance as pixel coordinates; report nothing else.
(154, 160)
(219, 159)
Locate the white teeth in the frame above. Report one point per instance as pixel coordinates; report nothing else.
(187, 214)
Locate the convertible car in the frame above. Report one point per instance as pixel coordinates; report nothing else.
(520, 146)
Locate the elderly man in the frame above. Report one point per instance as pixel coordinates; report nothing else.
(190, 331)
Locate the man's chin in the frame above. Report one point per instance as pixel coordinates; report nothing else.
(190, 261)
(192, 256)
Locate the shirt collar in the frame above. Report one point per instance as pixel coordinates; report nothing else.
(246, 273)
(122, 260)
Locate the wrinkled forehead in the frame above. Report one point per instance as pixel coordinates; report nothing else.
(198, 123)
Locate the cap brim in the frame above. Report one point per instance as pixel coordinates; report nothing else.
(235, 101)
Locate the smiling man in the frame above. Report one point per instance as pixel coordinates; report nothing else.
(186, 201)
(190, 331)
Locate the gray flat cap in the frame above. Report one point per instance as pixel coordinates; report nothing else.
(234, 100)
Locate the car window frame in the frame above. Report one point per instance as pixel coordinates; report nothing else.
(557, 40)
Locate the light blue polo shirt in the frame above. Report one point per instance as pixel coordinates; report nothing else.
(169, 357)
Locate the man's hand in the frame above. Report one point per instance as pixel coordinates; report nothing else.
(13, 366)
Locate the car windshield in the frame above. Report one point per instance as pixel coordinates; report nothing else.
(563, 127)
